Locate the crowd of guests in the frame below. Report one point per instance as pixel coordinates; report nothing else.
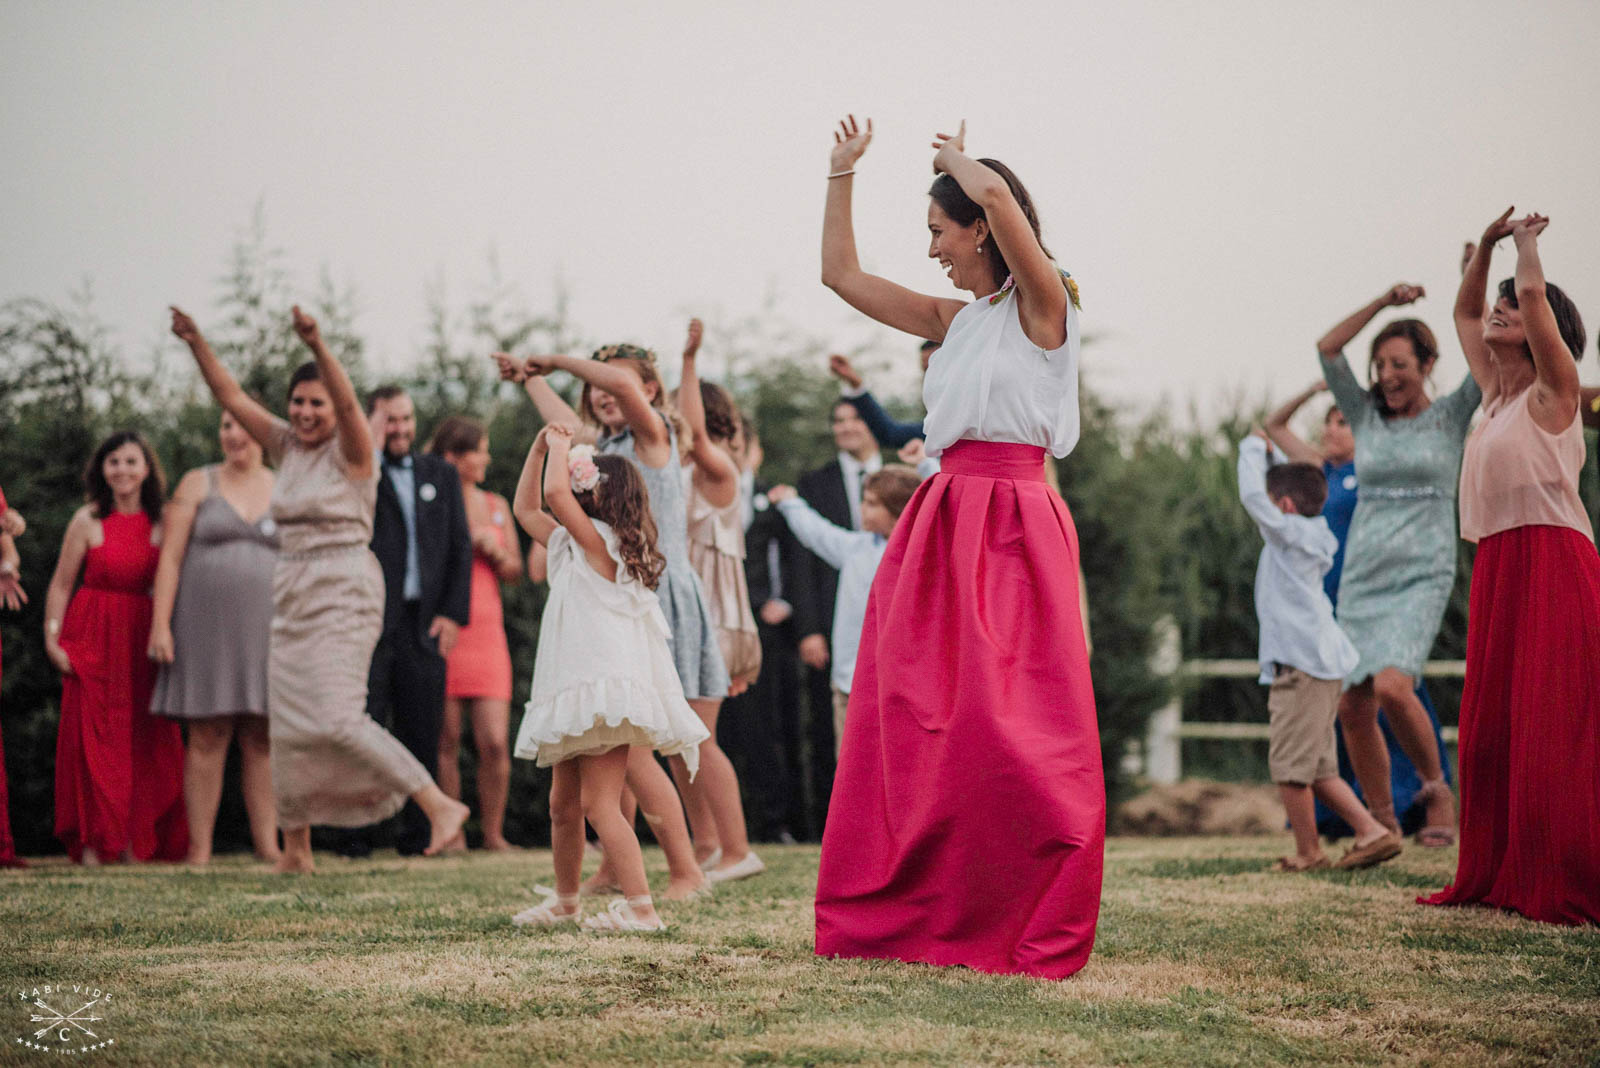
(329, 597)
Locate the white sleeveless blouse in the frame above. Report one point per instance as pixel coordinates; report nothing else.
(988, 382)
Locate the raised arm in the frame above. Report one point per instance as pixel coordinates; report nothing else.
(568, 512)
(355, 436)
(177, 523)
(1555, 389)
(74, 547)
(1042, 297)
(1468, 312)
(1334, 341)
(893, 305)
(1253, 463)
(256, 420)
(546, 401)
(528, 504)
(1293, 445)
(715, 472)
(649, 429)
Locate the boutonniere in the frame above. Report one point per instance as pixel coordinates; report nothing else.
(427, 492)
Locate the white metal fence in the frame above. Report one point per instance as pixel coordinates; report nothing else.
(1163, 743)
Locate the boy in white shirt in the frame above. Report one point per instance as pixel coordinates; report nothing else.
(856, 554)
(1304, 657)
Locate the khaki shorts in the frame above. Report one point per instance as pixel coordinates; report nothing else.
(1302, 711)
(841, 701)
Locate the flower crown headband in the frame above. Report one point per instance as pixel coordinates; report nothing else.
(624, 352)
(582, 470)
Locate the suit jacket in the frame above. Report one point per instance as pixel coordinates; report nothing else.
(814, 595)
(444, 544)
(767, 532)
(889, 432)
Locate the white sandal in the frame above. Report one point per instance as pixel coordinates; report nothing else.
(544, 914)
(743, 868)
(713, 860)
(621, 917)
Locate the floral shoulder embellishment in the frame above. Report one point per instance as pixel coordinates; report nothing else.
(1011, 283)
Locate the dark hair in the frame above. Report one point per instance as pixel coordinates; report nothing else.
(1304, 484)
(722, 414)
(643, 362)
(97, 491)
(457, 434)
(894, 485)
(306, 372)
(964, 211)
(622, 501)
(1568, 321)
(926, 345)
(383, 393)
(1423, 344)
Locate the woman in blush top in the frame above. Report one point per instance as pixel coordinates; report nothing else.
(967, 820)
(1530, 711)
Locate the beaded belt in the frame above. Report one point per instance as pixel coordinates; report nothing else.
(322, 554)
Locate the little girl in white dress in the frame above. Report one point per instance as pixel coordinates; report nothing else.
(604, 677)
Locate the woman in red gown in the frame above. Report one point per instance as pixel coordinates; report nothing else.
(967, 822)
(1530, 710)
(119, 769)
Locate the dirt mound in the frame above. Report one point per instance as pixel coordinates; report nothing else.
(1197, 806)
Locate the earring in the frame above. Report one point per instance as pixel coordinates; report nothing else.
(980, 250)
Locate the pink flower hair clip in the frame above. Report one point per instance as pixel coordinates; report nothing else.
(582, 470)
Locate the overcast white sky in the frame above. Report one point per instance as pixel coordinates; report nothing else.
(1225, 179)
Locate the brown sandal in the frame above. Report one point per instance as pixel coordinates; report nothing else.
(1297, 863)
(1437, 835)
(1374, 852)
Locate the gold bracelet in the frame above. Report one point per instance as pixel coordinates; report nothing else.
(841, 174)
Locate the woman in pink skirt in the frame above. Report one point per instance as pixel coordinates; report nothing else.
(1530, 711)
(967, 823)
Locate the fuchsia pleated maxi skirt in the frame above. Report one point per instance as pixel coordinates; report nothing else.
(1530, 729)
(967, 823)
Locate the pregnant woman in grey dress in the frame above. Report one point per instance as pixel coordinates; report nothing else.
(1400, 557)
(209, 633)
(331, 763)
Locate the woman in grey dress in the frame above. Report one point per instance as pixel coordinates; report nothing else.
(331, 763)
(210, 629)
(1400, 557)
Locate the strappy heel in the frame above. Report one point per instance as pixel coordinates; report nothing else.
(620, 917)
(1437, 835)
(544, 913)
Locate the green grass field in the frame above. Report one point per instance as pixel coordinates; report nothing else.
(1203, 958)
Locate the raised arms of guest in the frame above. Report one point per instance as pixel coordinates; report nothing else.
(715, 473)
(616, 396)
(977, 255)
(1296, 448)
(549, 404)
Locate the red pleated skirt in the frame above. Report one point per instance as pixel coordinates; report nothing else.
(1530, 729)
(967, 822)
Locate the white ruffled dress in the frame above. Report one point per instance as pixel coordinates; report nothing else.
(604, 674)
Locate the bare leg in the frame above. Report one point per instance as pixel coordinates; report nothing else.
(1397, 695)
(255, 773)
(1369, 756)
(601, 779)
(702, 821)
(1301, 809)
(203, 762)
(296, 856)
(1337, 795)
(664, 813)
(446, 815)
(491, 733)
(449, 779)
(604, 879)
(566, 831)
(721, 787)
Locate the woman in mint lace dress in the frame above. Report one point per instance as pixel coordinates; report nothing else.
(1400, 559)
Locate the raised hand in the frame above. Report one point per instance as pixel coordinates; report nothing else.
(1468, 250)
(1501, 227)
(842, 369)
(183, 327)
(849, 142)
(948, 145)
(306, 328)
(1528, 228)
(510, 370)
(691, 345)
(558, 437)
(538, 366)
(913, 452)
(782, 493)
(1402, 293)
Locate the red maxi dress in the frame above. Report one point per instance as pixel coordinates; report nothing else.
(1530, 710)
(119, 769)
(967, 822)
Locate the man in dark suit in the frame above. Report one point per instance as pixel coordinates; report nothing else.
(834, 490)
(420, 538)
(761, 728)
